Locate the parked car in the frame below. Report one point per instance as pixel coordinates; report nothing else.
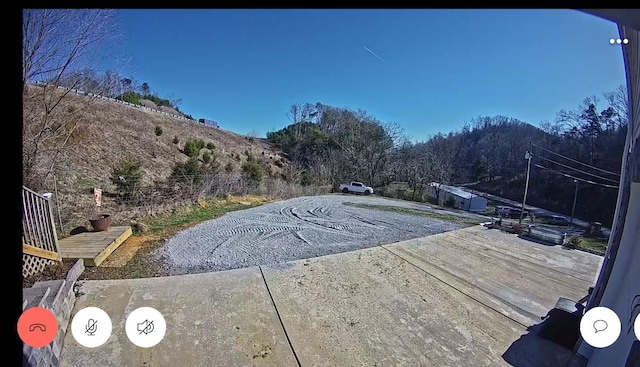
(503, 211)
(510, 212)
(356, 187)
(558, 220)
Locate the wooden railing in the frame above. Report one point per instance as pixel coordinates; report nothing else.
(39, 237)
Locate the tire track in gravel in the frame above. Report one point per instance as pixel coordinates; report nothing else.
(289, 230)
(328, 226)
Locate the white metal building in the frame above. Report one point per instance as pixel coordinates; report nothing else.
(464, 200)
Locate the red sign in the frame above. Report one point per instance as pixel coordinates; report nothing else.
(97, 195)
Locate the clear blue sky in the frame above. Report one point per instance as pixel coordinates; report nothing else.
(441, 68)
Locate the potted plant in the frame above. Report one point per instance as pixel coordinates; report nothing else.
(100, 222)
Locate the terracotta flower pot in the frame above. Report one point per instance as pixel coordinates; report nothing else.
(100, 222)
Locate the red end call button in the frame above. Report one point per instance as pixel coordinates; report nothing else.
(37, 327)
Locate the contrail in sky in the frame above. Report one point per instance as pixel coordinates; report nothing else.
(374, 54)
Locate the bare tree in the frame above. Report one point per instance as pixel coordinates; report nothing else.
(618, 100)
(60, 49)
(410, 164)
(58, 41)
(442, 151)
(111, 84)
(175, 101)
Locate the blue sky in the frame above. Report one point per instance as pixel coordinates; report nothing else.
(441, 68)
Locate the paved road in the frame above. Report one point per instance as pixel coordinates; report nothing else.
(296, 229)
(470, 297)
(535, 210)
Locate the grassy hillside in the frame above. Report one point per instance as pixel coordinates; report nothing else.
(109, 132)
(150, 104)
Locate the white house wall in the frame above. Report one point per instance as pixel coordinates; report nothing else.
(623, 285)
(623, 289)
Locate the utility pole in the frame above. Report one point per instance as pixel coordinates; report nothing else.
(575, 196)
(528, 157)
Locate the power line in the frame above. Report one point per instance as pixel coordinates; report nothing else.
(576, 178)
(575, 161)
(575, 169)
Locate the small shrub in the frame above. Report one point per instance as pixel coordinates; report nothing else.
(158, 131)
(192, 147)
(252, 170)
(213, 165)
(237, 158)
(573, 241)
(126, 177)
(450, 203)
(268, 169)
(305, 178)
(131, 97)
(278, 163)
(189, 171)
(206, 158)
(228, 167)
(246, 152)
(139, 227)
(176, 140)
(211, 146)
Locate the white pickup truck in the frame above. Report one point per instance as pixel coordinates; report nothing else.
(356, 187)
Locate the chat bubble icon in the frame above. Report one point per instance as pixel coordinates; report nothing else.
(600, 325)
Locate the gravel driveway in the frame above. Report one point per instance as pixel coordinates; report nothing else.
(293, 229)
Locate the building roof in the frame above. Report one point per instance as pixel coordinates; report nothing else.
(458, 191)
(626, 17)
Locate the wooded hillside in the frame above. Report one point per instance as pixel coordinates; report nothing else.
(331, 145)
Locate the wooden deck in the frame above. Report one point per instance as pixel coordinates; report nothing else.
(93, 247)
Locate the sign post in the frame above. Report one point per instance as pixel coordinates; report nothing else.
(97, 195)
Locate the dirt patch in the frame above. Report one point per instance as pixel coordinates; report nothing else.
(133, 260)
(127, 250)
(140, 265)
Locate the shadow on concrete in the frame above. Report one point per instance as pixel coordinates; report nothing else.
(531, 350)
(536, 240)
(549, 343)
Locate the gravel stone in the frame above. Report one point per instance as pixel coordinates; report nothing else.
(294, 229)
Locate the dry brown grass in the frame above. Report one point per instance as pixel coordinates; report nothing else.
(109, 132)
(151, 104)
(247, 199)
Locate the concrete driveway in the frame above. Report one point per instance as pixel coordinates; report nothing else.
(462, 298)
